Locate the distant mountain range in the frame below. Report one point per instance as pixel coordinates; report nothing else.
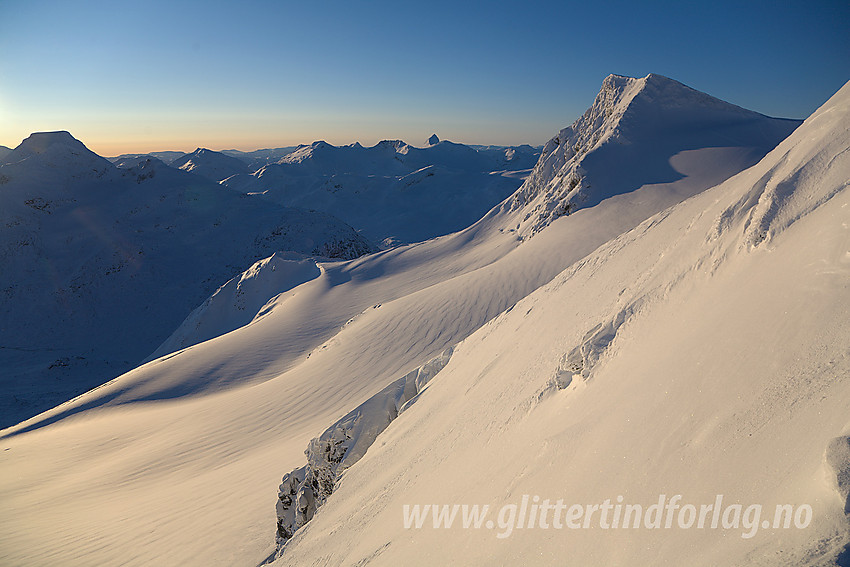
(100, 264)
(392, 192)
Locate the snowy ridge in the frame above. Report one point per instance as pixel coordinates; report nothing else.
(641, 124)
(241, 300)
(215, 166)
(166, 156)
(259, 158)
(144, 165)
(305, 489)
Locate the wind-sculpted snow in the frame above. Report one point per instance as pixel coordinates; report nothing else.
(307, 488)
(639, 124)
(595, 343)
(799, 178)
(838, 459)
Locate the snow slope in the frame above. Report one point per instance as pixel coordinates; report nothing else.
(705, 352)
(101, 264)
(393, 191)
(4, 151)
(189, 449)
(215, 166)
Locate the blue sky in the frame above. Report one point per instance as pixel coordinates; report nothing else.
(156, 75)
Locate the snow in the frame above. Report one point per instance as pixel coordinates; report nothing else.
(718, 366)
(166, 156)
(101, 264)
(259, 158)
(305, 489)
(668, 338)
(393, 192)
(4, 151)
(628, 116)
(241, 300)
(215, 166)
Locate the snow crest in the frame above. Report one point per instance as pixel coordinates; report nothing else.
(801, 177)
(241, 300)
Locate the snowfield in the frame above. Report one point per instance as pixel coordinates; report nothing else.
(660, 309)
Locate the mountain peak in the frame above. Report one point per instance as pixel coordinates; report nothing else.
(210, 164)
(58, 150)
(642, 122)
(40, 142)
(433, 140)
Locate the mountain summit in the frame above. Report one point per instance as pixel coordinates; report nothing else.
(43, 152)
(215, 166)
(644, 126)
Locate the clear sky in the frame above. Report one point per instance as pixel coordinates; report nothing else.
(159, 75)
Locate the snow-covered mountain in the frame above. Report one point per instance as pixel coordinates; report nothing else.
(259, 158)
(100, 264)
(393, 191)
(651, 128)
(166, 156)
(215, 166)
(140, 161)
(690, 349)
(4, 151)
